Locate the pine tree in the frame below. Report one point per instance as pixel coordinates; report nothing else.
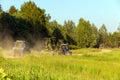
(37, 17)
(103, 36)
(84, 32)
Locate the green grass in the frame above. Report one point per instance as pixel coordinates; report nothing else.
(92, 65)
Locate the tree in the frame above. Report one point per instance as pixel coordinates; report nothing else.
(94, 37)
(69, 31)
(1, 9)
(51, 26)
(14, 27)
(69, 26)
(12, 10)
(57, 35)
(116, 39)
(36, 17)
(84, 32)
(103, 36)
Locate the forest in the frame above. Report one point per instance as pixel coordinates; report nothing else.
(31, 23)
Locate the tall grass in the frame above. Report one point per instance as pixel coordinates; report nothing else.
(87, 67)
(1, 52)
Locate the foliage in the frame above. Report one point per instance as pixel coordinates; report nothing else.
(12, 10)
(14, 27)
(0, 8)
(36, 17)
(84, 31)
(103, 36)
(94, 37)
(73, 47)
(31, 23)
(69, 32)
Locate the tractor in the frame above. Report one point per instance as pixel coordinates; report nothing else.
(64, 50)
(20, 48)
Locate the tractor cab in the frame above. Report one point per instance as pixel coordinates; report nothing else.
(64, 50)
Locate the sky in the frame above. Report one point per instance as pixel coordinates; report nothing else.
(96, 11)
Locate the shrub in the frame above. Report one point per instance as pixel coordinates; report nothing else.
(73, 47)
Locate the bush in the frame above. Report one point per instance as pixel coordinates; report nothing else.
(73, 47)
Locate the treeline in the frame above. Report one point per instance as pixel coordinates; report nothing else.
(32, 24)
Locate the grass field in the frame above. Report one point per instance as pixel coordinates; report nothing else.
(85, 64)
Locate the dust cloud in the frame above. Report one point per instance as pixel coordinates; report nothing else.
(39, 45)
(6, 44)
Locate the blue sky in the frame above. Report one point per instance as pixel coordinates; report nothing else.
(96, 11)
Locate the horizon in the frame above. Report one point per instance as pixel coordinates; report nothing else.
(97, 12)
